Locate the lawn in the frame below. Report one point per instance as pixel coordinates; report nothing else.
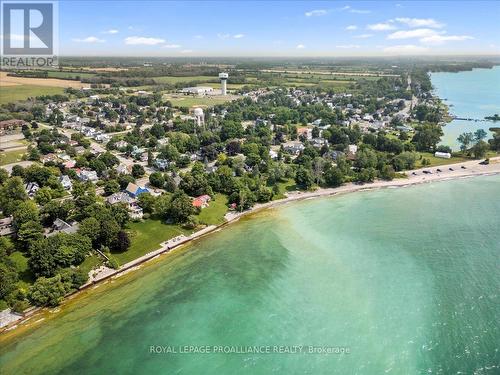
(439, 161)
(147, 236)
(10, 94)
(214, 213)
(190, 101)
(173, 80)
(26, 278)
(285, 187)
(11, 156)
(90, 263)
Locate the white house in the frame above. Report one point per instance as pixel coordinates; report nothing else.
(66, 182)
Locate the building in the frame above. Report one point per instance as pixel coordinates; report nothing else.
(304, 132)
(161, 164)
(199, 115)
(293, 147)
(6, 227)
(60, 226)
(66, 182)
(197, 90)
(87, 175)
(134, 210)
(31, 188)
(202, 201)
(134, 190)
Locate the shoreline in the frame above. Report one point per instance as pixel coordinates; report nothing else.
(472, 169)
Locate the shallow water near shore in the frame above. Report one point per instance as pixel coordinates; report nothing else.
(406, 279)
(472, 94)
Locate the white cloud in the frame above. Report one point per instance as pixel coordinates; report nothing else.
(148, 41)
(348, 46)
(171, 46)
(316, 13)
(415, 33)
(420, 22)
(440, 39)
(381, 27)
(223, 36)
(352, 10)
(111, 31)
(198, 37)
(187, 51)
(363, 36)
(351, 27)
(89, 39)
(407, 49)
(300, 46)
(238, 36)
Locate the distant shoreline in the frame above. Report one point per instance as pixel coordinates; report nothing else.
(472, 168)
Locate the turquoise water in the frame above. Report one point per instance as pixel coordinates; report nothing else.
(404, 279)
(474, 94)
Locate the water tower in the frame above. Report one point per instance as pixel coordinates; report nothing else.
(223, 79)
(200, 117)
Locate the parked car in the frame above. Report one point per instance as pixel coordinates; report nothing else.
(463, 167)
(451, 169)
(438, 170)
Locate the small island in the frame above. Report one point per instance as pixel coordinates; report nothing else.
(495, 117)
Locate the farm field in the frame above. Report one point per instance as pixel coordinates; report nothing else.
(172, 80)
(11, 156)
(63, 74)
(189, 101)
(22, 92)
(9, 81)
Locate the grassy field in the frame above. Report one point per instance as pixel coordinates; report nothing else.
(22, 92)
(147, 236)
(285, 187)
(172, 80)
(214, 213)
(26, 278)
(189, 101)
(90, 263)
(439, 161)
(11, 156)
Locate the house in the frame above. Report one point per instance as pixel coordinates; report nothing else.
(319, 142)
(121, 144)
(134, 210)
(134, 191)
(70, 164)
(48, 158)
(305, 132)
(60, 226)
(317, 122)
(334, 155)
(124, 169)
(273, 154)
(87, 175)
(6, 227)
(66, 182)
(352, 149)
(103, 138)
(161, 164)
(202, 201)
(31, 188)
(293, 147)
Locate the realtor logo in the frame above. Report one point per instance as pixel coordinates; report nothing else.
(29, 34)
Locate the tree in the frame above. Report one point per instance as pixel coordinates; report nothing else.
(480, 149)
(48, 291)
(111, 187)
(465, 140)
(180, 207)
(137, 170)
(122, 242)
(12, 193)
(334, 177)
(25, 211)
(367, 175)
(304, 178)
(427, 136)
(156, 179)
(480, 135)
(8, 278)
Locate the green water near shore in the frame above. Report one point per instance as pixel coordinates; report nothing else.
(406, 278)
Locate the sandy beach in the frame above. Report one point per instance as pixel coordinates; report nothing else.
(448, 172)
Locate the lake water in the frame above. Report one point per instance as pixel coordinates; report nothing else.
(473, 94)
(406, 279)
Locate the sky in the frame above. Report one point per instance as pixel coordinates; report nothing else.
(278, 28)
